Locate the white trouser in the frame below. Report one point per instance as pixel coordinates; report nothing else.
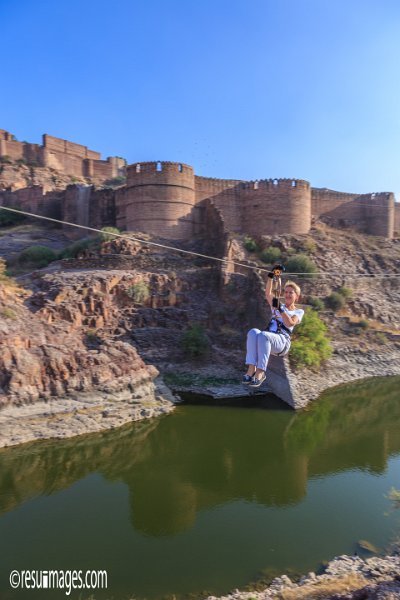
(260, 344)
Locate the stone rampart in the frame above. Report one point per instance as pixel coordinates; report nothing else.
(276, 206)
(166, 199)
(396, 219)
(366, 213)
(62, 155)
(159, 198)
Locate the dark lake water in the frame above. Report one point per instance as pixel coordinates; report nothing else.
(207, 499)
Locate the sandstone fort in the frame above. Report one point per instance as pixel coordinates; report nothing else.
(169, 200)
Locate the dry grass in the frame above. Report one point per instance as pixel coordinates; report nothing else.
(325, 589)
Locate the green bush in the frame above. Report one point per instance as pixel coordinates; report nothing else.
(8, 313)
(335, 301)
(139, 292)
(311, 345)
(105, 237)
(6, 160)
(37, 256)
(345, 292)
(8, 218)
(115, 181)
(79, 246)
(250, 244)
(300, 263)
(363, 324)
(195, 342)
(270, 255)
(381, 337)
(309, 246)
(316, 303)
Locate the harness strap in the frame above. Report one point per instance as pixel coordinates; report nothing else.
(279, 326)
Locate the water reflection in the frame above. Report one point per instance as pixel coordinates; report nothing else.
(200, 458)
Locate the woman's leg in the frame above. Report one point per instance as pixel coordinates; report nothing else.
(267, 342)
(251, 355)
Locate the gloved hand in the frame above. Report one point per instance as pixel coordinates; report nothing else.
(280, 268)
(276, 271)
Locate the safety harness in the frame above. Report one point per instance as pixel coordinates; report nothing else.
(275, 325)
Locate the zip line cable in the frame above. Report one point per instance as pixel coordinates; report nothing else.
(191, 252)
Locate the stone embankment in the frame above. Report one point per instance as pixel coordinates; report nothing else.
(345, 578)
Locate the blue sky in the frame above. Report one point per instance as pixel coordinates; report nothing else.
(238, 89)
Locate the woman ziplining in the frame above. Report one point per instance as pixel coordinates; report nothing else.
(276, 338)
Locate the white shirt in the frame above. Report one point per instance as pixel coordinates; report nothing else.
(298, 312)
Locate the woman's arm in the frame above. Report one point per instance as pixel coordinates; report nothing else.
(268, 290)
(288, 320)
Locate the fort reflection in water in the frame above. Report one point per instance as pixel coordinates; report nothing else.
(202, 457)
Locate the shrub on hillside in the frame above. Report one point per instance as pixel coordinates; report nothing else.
(139, 292)
(250, 244)
(345, 292)
(316, 303)
(311, 346)
(37, 256)
(76, 248)
(7, 218)
(105, 235)
(300, 263)
(195, 342)
(335, 301)
(270, 255)
(309, 246)
(115, 181)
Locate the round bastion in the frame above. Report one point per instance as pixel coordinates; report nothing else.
(159, 199)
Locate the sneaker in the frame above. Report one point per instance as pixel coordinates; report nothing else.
(255, 383)
(246, 379)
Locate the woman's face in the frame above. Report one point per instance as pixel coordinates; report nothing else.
(290, 295)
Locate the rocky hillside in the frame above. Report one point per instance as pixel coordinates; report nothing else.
(93, 322)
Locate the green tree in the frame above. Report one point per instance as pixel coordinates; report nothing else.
(311, 345)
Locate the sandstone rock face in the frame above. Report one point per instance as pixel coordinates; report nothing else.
(45, 352)
(17, 176)
(67, 374)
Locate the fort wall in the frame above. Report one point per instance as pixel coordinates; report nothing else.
(159, 198)
(32, 199)
(366, 213)
(277, 205)
(167, 199)
(65, 156)
(396, 220)
(226, 196)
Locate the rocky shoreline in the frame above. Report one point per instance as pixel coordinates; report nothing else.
(345, 578)
(86, 412)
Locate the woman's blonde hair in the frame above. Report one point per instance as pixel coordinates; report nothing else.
(293, 285)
